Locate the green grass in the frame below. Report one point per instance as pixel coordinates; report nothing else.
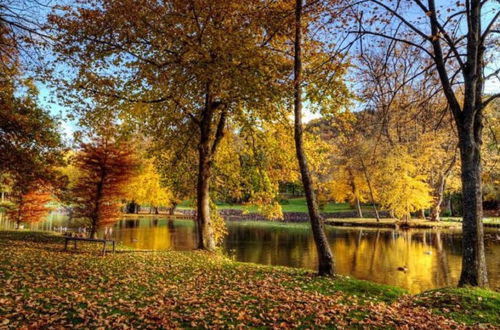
(494, 220)
(468, 305)
(290, 205)
(44, 287)
(365, 291)
(272, 224)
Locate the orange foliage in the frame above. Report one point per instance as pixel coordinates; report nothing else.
(105, 170)
(30, 207)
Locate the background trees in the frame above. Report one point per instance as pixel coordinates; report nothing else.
(30, 207)
(195, 65)
(457, 39)
(30, 144)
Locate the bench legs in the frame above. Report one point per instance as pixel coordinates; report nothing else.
(66, 240)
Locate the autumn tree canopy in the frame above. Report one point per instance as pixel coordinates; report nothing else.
(105, 169)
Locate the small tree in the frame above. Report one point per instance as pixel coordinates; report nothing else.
(105, 169)
(30, 207)
(146, 188)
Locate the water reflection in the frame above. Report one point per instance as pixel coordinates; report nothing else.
(432, 257)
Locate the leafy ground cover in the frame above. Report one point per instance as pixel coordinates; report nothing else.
(467, 305)
(42, 286)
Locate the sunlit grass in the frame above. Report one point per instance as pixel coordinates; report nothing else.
(289, 205)
(468, 305)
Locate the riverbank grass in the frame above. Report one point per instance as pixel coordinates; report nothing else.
(288, 205)
(42, 286)
(468, 305)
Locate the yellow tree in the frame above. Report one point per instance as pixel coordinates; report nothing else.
(459, 55)
(195, 64)
(401, 188)
(146, 187)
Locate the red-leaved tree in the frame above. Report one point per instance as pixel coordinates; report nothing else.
(105, 168)
(30, 207)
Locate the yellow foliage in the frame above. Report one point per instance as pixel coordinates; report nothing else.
(218, 224)
(402, 189)
(146, 188)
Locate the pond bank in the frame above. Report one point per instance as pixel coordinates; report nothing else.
(393, 223)
(335, 219)
(45, 287)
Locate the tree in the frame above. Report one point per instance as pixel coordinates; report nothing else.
(456, 38)
(30, 207)
(30, 144)
(265, 159)
(146, 188)
(402, 189)
(326, 265)
(105, 167)
(190, 65)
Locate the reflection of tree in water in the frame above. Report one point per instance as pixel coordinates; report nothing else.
(442, 261)
(278, 246)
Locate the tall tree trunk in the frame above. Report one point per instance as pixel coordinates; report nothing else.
(206, 152)
(473, 259)
(326, 264)
(205, 233)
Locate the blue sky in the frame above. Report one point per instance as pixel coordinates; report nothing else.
(49, 101)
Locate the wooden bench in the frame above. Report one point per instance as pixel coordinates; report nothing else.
(75, 239)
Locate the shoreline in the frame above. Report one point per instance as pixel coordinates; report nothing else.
(342, 222)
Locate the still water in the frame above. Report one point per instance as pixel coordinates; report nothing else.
(432, 257)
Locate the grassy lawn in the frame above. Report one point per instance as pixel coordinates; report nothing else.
(391, 223)
(495, 220)
(291, 205)
(42, 287)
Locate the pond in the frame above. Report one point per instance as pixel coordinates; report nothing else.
(432, 257)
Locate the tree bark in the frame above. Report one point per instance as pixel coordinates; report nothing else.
(171, 210)
(368, 182)
(439, 191)
(206, 152)
(97, 205)
(205, 233)
(438, 200)
(473, 259)
(358, 208)
(325, 258)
